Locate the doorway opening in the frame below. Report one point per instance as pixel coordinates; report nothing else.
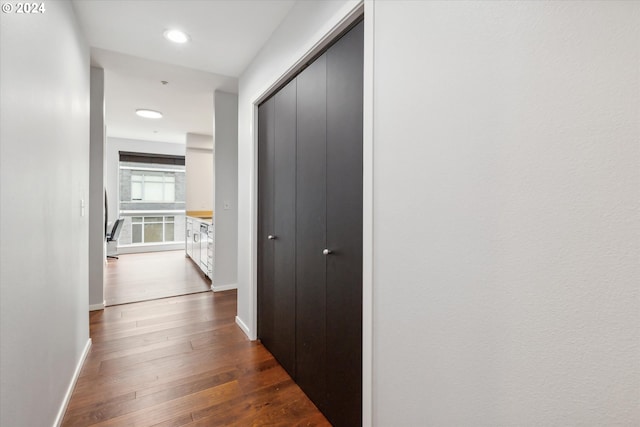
(150, 245)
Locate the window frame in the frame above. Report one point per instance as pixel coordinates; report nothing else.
(168, 180)
(142, 224)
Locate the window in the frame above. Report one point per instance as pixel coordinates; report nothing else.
(150, 186)
(152, 229)
(151, 200)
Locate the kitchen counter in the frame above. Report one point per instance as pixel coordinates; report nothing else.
(199, 243)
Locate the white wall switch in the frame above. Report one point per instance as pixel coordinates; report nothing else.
(81, 207)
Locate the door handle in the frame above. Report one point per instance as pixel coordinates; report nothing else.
(327, 252)
(271, 237)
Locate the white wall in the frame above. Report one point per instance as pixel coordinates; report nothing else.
(114, 146)
(226, 191)
(199, 167)
(506, 213)
(307, 23)
(96, 191)
(44, 175)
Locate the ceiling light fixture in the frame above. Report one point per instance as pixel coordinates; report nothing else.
(176, 36)
(149, 114)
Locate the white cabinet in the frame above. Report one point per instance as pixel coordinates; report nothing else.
(188, 247)
(204, 240)
(200, 243)
(195, 254)
(210, 248)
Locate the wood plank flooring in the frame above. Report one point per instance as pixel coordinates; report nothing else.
(182, 361)
(153, 275)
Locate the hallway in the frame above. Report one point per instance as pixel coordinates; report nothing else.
(182, 361)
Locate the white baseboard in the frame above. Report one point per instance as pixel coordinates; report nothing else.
(244, 327)
(95, 307)
(72, 384)
(223, 287)
(122, 250)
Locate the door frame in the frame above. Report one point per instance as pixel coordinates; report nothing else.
(361, 8)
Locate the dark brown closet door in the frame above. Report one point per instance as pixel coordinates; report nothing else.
(344, 229)
(310, 228)
(276, 225)
(284, 230)
(311, 365)
(266, 291)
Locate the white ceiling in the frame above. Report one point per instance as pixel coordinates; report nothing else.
(127, 40)
(186, 100)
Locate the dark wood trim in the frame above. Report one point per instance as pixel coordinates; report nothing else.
(163, 159)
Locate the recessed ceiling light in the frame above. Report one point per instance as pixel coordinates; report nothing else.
(149, 114)
(176, 36)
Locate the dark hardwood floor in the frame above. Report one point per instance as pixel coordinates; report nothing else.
(182, 361)
(153, 275)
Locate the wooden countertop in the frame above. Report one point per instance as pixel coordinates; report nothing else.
(199, 214)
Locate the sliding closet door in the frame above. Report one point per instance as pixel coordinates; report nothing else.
(344, 229)
(284, 227)
(311, 365)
